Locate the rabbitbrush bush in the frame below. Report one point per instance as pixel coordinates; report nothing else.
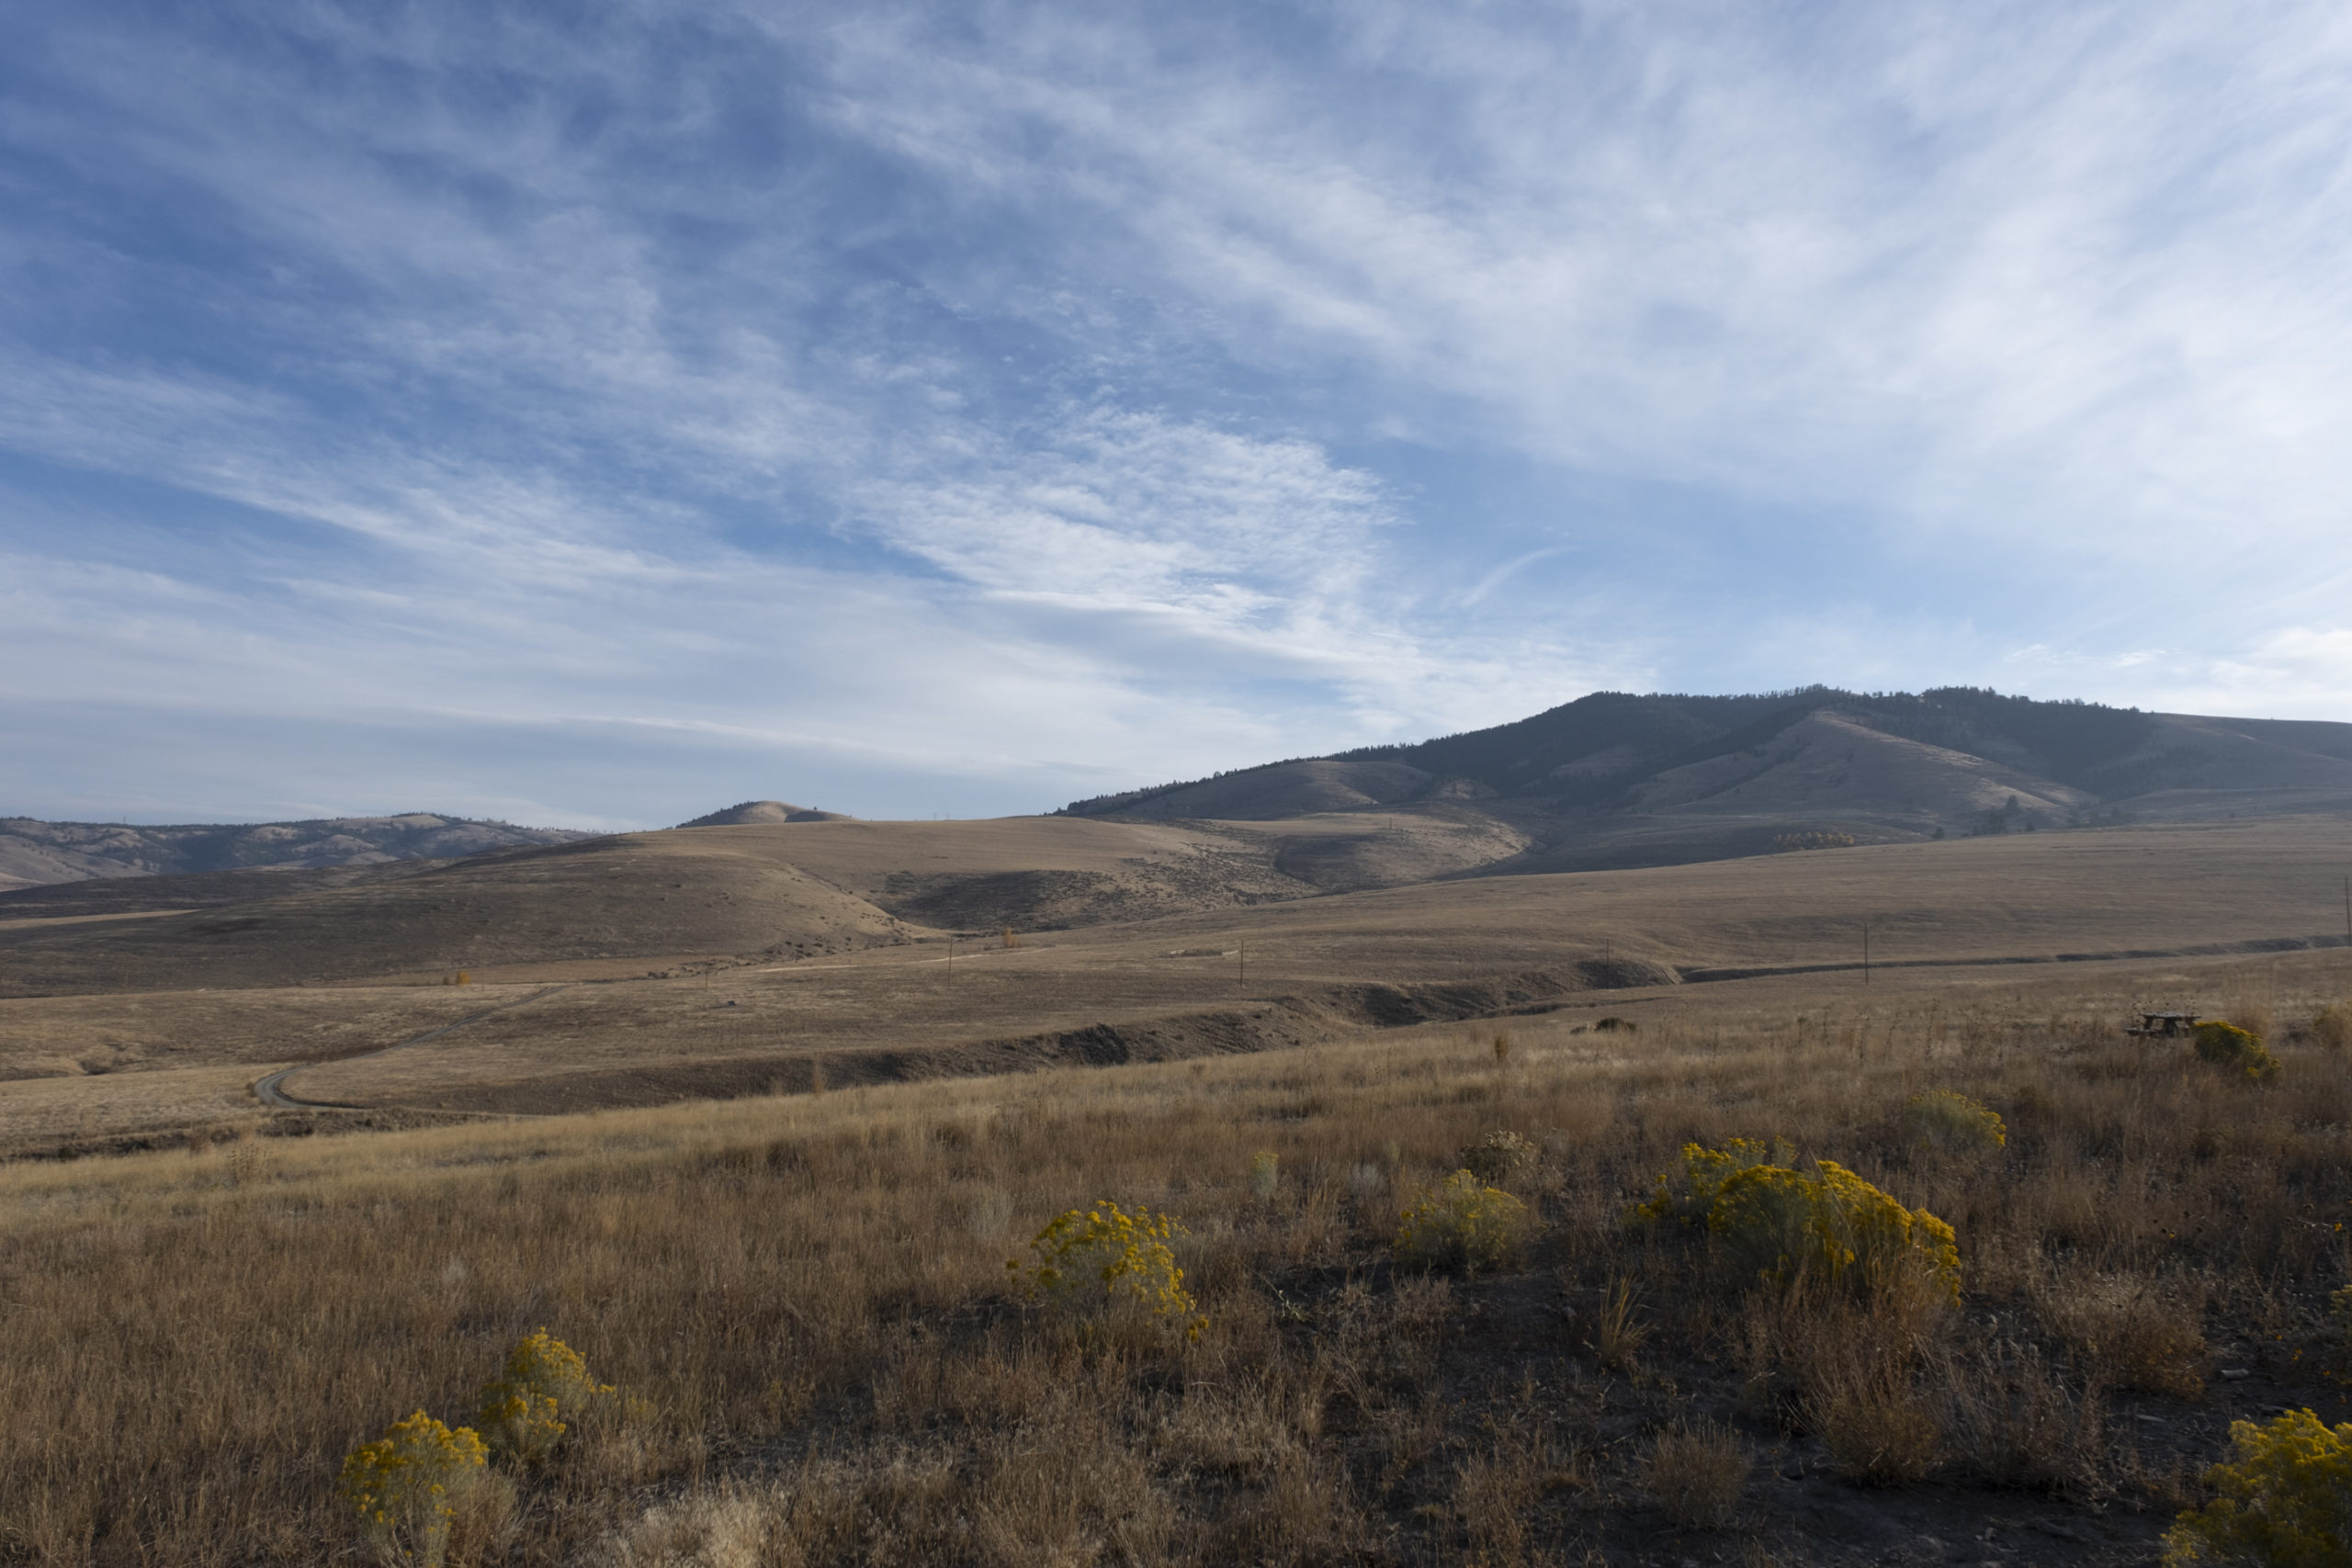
(545, 1380)
(406, 1486)
(1498, 1156)
(2235, 1049)
(1265, 1174)
(1462, 1223)
(1775, 1223)
(1106, 1256)
(2286, 1502)
(1954, 1122)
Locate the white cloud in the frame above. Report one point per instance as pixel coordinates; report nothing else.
(954, 392)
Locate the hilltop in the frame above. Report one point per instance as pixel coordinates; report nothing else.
(1616, 778)
(750, 812)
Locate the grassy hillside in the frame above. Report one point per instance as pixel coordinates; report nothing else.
(1614, 778)
(34, 853)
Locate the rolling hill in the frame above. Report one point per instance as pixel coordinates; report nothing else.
(1618, 779)
(35, 853)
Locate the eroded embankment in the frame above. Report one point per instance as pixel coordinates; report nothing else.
(2195, 950)
(1271, 1024)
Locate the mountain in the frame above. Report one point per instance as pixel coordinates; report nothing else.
(1617, 779)
(35, 853)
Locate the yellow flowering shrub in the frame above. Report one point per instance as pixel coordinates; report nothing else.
(1498, 1156)
(2286, 1501)
(1265, 1174)
(1688, 1196)
(544, 1379)
(1461, 1223)
(1951, 1120)
(406, 1486)
(2235, 1049)
(1774, 1222)
(1106, 1256)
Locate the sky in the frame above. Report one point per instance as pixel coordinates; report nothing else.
(594, 415)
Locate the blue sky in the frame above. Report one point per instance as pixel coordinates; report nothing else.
(596, 414)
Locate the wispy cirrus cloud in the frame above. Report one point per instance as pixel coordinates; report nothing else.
(1045, 400)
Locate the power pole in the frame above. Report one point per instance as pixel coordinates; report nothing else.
(1866, 950)
(1245, 962)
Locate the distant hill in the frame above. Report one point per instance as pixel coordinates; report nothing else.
(750, 812)
(1616, 778)
(35, 853)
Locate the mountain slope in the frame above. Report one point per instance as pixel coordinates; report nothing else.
(1614, 779)
(34, 853)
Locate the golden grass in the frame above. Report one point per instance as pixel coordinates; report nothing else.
(1697, 1471)
(807, 1297)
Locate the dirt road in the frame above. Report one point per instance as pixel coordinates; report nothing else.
(270, 1089)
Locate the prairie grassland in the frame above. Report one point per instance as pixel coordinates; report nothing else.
(807, 1297)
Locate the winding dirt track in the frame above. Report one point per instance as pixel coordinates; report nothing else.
(270, 1089)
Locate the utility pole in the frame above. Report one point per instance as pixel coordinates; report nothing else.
(1866, 950)
(2347, 911)
(1245, 962)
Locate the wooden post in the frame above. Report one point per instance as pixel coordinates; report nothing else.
(1245, 962)
(1866, 950)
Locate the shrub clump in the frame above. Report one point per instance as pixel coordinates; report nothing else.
(1704, 1170)
(1878, 1435)
(2286, 1501)
(1461, 1223)
(1105, 1256)
(2332, 1026)
(544, 1379)
(1697, 1474)
(1776, 1224)
(1265, 1174)
(2235, 1050)
(1950, 1121)
(406, 1486)
(1498, 1156)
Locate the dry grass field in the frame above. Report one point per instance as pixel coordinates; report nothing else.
(680, 974)
(767, 1175)
(804, 1299)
